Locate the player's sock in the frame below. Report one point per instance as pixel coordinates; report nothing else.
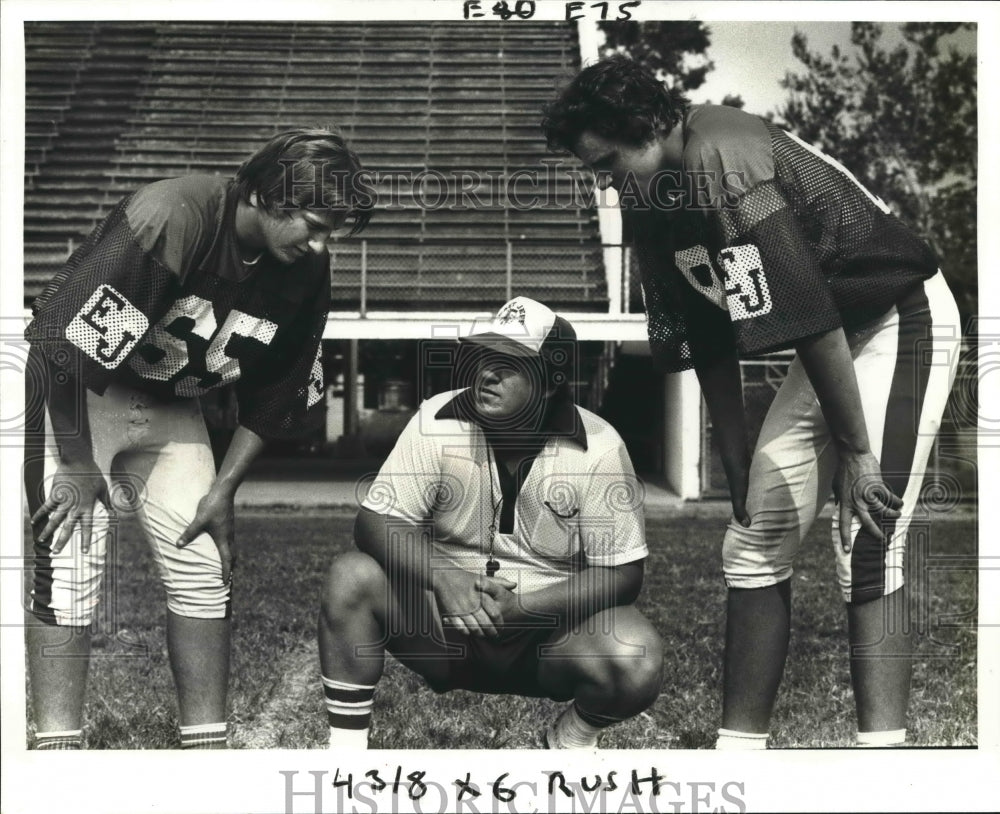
(204, 736)
(66, 739)
(730, 739)
(576, 728)
(887, 738)
(349, 713)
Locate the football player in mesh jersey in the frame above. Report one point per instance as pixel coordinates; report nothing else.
(750, 241)
(187, 285)
(500, 548)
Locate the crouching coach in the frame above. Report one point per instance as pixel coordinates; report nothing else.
(500, 548)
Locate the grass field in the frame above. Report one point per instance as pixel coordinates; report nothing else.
(276, 700)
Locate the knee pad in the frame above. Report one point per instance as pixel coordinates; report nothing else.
(757, 557)
(872, 569)
(192, 578)
(206, 602)
(66, 587)
(80, 614)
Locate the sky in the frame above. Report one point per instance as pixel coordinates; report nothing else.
(752, 57)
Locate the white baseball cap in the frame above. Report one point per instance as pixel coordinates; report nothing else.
(522, 327)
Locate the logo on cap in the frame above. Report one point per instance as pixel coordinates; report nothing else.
(513, 311)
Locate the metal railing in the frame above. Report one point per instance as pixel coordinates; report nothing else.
(442, 274)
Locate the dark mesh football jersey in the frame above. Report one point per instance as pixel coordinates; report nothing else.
(159, 299)
(767, 241)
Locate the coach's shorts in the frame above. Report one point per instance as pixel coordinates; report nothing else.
(157, 458)
(506, 665)
(905, 365)
(449, 660)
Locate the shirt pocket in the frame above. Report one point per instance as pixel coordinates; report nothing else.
(556, 534)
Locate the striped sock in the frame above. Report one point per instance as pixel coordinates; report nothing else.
(576, 728)
(730, 739)
(349, 712)
(66, 739)
(888, 738)
(204, 736)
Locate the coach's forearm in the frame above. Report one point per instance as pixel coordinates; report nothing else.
(828, 363)
(588, 592)
(402, 549)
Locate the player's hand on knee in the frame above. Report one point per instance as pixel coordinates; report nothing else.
(216, 516)
(740, 513)
(861, 490)
(75, 490)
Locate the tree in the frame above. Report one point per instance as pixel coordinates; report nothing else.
(903, 120)
(674, 50)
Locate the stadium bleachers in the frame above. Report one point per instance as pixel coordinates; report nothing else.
(445, 115)
(81, 81)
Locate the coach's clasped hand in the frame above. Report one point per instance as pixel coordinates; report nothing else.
(860, 489)
(472, 603)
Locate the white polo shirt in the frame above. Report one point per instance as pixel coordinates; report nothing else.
(580, 505)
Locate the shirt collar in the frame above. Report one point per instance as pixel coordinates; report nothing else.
(562, 421)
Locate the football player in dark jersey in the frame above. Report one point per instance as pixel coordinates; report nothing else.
(749, 241)
(187, 285)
